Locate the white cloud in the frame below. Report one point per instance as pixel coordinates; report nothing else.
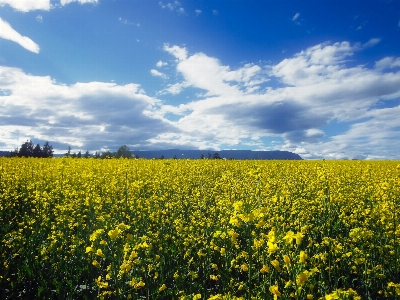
(173, 6)
(176, 88)
(317, 87)
(296, 16)
(8, 33)
(39, 18)
(158, 74)
(160, 64)
(126, 22)
(198, 11)
(65, 2)
(371, 43)
(91, 115)
(215, 12)
(27, 5)
(388, 63)
(179, 53)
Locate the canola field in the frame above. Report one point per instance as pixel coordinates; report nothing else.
(199, 229)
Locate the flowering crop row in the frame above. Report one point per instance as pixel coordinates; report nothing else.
(199, 229)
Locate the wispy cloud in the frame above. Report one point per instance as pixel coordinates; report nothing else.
(39, 18)
(8, 33)
(65, 2)
(215, 12)
(295, 17)
(173, 6)
(158, 74)
(27, 5)
(198, 11)
(127, 22)
(372, 42)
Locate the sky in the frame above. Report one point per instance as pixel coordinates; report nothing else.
(317, 78)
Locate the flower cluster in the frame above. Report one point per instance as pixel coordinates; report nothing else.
(199, 229)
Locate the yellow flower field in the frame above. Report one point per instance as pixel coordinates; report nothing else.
(199, 229)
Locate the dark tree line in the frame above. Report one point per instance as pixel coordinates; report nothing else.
(122, 152)
(29, 149)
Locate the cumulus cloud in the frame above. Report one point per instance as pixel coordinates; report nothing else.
(27, 5)
(93, 115)
(317, 87)
(9, 33)
(161, 63)
(292, 101)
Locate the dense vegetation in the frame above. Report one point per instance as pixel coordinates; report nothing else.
(199, 229)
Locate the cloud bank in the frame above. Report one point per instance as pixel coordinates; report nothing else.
(282, 106)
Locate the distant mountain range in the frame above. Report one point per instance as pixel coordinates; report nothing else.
(196, 154)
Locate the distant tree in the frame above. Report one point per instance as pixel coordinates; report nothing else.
(86, 155)
(26, 149)
(175, 157)
(123, 152)
(162, 157)
(209, 155)
(47, 150)
(68, 154)
(37, 151)
(106, 154)
(73, 155)
(96, 155)
(216, 156)
(202, 156)
(79, 155)
(14, 152)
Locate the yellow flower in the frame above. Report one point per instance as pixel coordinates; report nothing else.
(264, 269)
(244, 267)
(214, 277)
(96, 264)
(275, 264)
(197, 297)
(139, 285)
(274, 289)
(163, 287)
(99, 252)
(272, 247)
(113, 234)
(286, 259)
(289, 237)
(302, 277)
(89, 249)
(303, 257)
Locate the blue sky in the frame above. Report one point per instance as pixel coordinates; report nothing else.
(318, 78)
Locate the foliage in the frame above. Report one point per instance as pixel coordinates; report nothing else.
(28, 149)
(202, 229)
